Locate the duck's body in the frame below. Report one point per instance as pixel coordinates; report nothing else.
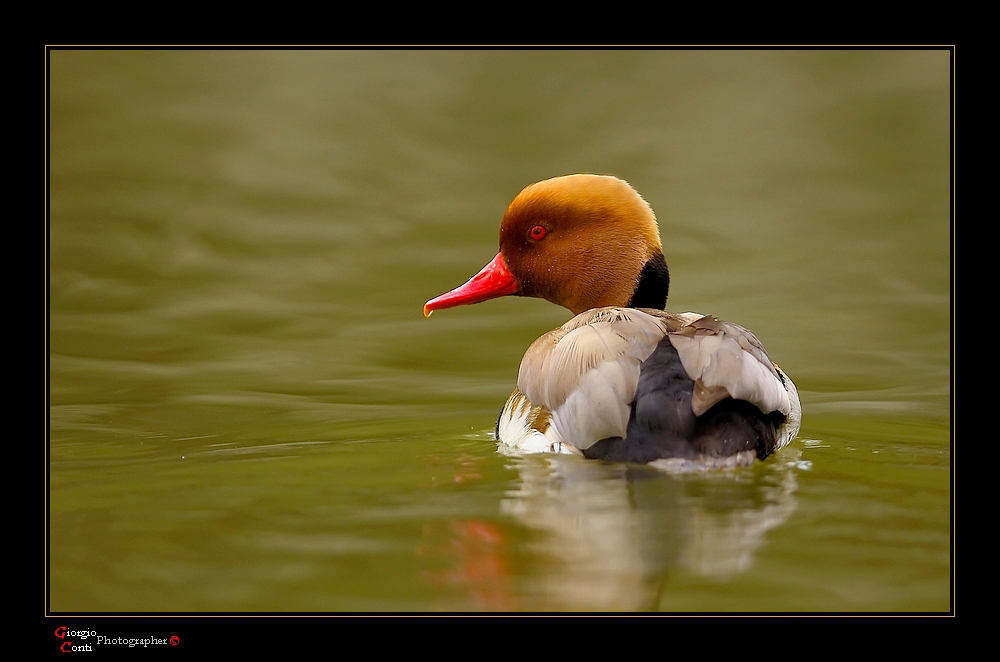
(623, 380)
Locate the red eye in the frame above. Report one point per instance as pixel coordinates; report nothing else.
(537, 232)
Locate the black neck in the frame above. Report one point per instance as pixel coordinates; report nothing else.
(654, 281)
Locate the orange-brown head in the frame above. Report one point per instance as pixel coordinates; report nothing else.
(580, 241)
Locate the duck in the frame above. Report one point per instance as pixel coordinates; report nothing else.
(623, 380)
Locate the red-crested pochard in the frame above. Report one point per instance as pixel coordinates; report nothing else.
(623, 380)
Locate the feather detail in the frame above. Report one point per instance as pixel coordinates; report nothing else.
(577, 384)
(585, 372)
(725, 359)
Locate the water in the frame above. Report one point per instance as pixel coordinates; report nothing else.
(248, 411)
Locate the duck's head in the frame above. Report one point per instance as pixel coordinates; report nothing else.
(580, 241)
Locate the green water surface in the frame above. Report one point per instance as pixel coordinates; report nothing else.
(249, 413)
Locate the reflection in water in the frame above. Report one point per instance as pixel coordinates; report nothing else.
(611, 534)
(474, 551)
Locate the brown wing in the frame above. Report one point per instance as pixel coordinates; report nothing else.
(726, 360)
